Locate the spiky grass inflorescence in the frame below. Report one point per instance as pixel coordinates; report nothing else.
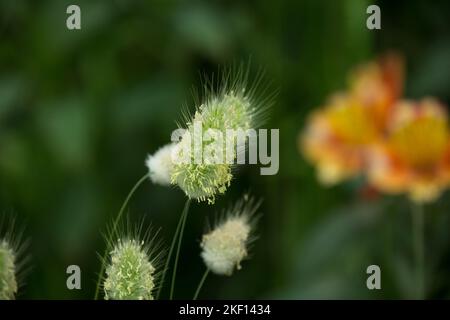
(131, 272)
(13, 260)
(113, 231)
(160, 165)
(224, 247)
(229, 103)
(8, 283)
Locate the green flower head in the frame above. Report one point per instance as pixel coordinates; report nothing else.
(14, 261)
(8, 282)
(233, 107)
(130, 273)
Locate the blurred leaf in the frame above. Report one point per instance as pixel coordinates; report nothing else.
(12, 90)
(203, 28)
(333, 259)
(152, 103)
(66, 129)
(431, 76)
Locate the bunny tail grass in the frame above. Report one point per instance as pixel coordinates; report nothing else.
(114, 231)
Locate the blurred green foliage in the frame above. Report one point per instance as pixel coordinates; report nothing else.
(80, 110)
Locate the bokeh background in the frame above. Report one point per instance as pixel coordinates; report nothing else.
(80, 111)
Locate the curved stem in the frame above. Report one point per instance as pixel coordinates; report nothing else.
(114, 230)
(169, 256)
(180, 239)
(419, 249)
(200, 285)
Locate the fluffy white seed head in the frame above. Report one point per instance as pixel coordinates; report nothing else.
(130, 273)
(8, 282)
(160, 165)
(224, 248)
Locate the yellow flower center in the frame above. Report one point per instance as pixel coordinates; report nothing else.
(352, 124)
(422, 142)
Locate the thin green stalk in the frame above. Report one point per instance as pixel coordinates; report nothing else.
(419, 249)
(180, 239)
(114, 229)
(200, 285)
(169, 256)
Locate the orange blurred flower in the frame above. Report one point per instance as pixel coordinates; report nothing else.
(338, 134)
(415, 156)
(378, 85)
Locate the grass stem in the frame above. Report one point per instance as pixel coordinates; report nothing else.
(200, 285)
(114, 230)
(419, 249)
(180, 239)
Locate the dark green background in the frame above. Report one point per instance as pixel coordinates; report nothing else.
(80, 110)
